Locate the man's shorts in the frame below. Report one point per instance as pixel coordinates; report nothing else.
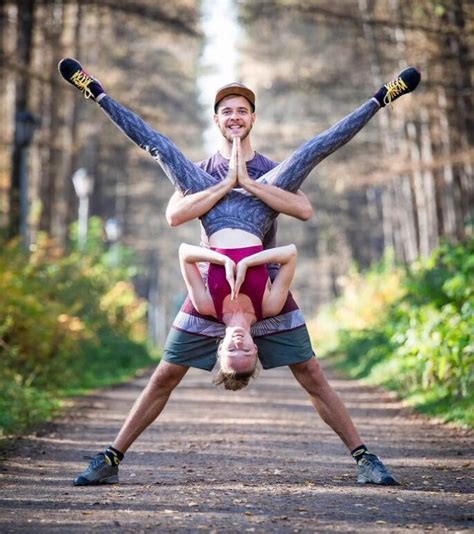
(281, 340)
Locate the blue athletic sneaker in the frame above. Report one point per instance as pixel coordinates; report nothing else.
(72, 71)
(373, 471)
(99, 471)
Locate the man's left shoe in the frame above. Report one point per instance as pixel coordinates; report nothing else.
(373, 471)
(406, 82)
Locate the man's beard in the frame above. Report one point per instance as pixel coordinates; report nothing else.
(230, 138)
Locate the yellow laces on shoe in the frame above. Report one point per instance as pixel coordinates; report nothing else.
(82, 82)
(394, 89)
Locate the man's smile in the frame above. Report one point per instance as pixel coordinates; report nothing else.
(235, 128)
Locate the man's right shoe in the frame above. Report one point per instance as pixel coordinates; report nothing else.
(72, 71)
(406, 82)
(99, 471)
(373, 471)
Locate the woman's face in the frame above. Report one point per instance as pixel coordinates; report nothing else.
(237, 351)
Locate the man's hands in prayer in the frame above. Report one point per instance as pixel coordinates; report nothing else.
(231, 178)
(243, 177)
(237, 166)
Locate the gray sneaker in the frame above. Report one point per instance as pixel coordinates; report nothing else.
(100, 471)
(373, 471)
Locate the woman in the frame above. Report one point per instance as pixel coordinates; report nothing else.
(238, 291)
(225, 230)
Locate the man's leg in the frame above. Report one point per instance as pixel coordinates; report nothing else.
(326, 401)
(284, 341)
(333, 412)
(183, 349)
(103, 468)
(150, 403)
(292, 347)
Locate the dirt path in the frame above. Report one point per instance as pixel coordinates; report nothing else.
(253, 461)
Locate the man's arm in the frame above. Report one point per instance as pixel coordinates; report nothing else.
(294, 204)
(183, 208)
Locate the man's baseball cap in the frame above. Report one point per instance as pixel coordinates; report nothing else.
(234, 88)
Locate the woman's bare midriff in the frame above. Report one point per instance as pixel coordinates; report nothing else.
(233, 238)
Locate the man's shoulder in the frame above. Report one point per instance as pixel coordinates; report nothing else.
(210, 163)
(262, 162)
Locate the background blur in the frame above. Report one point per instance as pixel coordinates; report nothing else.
(405, 182)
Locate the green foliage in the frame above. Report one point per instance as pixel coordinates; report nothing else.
(422, 343)
(67, 322)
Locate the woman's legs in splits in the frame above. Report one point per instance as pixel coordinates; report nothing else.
(188, 177)
(291, 173)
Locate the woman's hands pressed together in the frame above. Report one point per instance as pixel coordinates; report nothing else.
(230, 268)
(240, 272)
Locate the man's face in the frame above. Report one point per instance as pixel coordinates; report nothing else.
(237, 351)
(234, 117)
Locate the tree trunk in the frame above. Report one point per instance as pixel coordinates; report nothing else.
(447, 193)
(71, 119)
(5, 115)
(51, 187)
(461, 119)
(25, 24)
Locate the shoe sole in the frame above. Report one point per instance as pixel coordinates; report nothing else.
(114, 479)
(389, 482)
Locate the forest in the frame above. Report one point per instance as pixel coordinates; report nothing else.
(398, 192)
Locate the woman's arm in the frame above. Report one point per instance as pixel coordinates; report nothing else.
(278, 293)
(189, 255)
(286, 257)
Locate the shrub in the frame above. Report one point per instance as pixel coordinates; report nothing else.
(421, 340)
(67, 321)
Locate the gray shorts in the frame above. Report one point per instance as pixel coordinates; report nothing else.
(275, 350)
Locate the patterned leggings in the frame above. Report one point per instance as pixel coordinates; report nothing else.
(237, 209)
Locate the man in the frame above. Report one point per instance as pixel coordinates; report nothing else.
(191, 342)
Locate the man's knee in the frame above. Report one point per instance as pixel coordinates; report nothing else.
(310, 375)
(166, 377)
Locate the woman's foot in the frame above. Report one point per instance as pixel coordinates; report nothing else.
(406, 82)
(72, 71)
